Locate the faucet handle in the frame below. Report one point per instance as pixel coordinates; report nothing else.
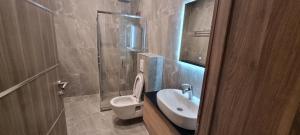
(186, 86)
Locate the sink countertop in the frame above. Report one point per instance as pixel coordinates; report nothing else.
(152, 97)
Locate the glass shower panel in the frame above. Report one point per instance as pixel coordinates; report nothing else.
(109, 54)
(120, 38)
(132, 43)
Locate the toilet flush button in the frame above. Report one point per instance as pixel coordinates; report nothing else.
(141, 65)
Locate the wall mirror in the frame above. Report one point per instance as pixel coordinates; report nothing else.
(196, 31)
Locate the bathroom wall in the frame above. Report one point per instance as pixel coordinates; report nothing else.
(76, 36)
(163, 34)
(29, 103)
(75, 25)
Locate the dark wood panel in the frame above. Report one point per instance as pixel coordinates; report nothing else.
(296, 124)
(259, 85)
(55, 98)
(59, 100)
(32, 109)
(156, 123)
(11, 55)
(47, 38)
(47, 102)
(33, 47)
(278, 82)
(53, 38)
(240, 67)
(220, 24)
(60, 127)
(48, 33)
(28, 46)
(20, 112)
(37, 88)
(25, 98)
(11, 116)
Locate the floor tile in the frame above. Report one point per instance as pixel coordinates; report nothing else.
(83, 117)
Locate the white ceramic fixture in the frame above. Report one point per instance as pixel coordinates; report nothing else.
(178, 108)
(130, 106)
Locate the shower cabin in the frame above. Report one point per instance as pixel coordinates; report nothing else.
(120, 37)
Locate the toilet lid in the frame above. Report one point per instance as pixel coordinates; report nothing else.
(138, 86)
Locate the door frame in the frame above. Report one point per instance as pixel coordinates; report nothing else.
(216, 50)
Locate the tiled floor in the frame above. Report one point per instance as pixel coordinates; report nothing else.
(84, 118)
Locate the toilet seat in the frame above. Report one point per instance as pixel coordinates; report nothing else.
(138, 86)
(130, 106)
(123, 101)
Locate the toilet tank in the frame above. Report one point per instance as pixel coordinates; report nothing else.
(151, 66)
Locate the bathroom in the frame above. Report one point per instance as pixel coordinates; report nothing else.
(149, 67)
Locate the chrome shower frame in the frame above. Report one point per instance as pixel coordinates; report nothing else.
(99, 43)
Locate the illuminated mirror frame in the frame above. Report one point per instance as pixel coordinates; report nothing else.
(182, 18)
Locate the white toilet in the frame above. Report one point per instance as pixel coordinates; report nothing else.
(130, 106)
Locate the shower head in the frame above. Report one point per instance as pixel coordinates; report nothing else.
(125, 1)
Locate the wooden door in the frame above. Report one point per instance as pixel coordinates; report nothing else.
(254, 88)
(29, 100)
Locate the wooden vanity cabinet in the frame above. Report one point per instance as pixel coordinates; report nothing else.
(155, 122)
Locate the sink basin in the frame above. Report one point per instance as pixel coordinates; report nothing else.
(178, 108)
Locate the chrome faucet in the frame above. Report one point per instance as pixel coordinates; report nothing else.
(187, 88)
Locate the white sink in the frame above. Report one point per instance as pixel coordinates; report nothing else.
(178, 108)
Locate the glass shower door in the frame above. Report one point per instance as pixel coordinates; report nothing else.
(120, 37)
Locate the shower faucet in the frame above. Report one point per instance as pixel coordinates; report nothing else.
(187, 88)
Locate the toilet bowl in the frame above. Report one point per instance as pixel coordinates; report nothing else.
(130, 106)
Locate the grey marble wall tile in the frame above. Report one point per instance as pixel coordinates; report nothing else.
(75, 27)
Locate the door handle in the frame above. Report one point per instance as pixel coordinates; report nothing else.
(62, 85)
